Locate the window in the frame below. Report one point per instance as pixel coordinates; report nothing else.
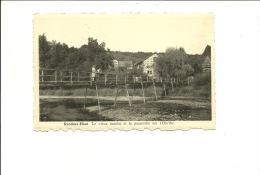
(149, 72)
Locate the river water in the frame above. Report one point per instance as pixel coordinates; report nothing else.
(73, 110)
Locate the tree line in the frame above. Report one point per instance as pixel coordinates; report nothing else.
(54, 55)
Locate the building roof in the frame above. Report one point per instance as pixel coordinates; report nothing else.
(207, 61)
(206, 64)
(138, 63)
(125, 64)
(145, 59)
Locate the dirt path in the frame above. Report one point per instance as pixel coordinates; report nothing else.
(191, 103)
(136, 98)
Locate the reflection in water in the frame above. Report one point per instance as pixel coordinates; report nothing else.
(73, 110)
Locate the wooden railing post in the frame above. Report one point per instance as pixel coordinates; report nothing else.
(42, 76)
(125, 79)
(97, 97)
(55, 76)
(116, 95)
(143, 89)
(71, 78)
(129, 100)
(133, 88)
(61, 76)
(90, 76)
(154, 89)
(171, 83)
(105, 79)
(85, 99)
(164, 89)
(78, 76)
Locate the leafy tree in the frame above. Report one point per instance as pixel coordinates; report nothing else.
(203, 79)
(188, 70)
(44, 48)
(172, 64)
(197, 68)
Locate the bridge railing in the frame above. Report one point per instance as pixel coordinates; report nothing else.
(73, 77)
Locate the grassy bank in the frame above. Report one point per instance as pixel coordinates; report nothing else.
(149, 91)
(191, 91)
(187, 91)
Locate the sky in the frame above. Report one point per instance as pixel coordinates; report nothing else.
(130, 32)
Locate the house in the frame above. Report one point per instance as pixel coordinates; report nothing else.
(125, 65)
(147, 65)
(206, 65)
(122, 65)
(115, 63)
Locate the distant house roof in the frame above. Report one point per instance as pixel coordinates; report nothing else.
(207, 61)
(139, 62)
(206, 64)
(145, 59)
(125, 64)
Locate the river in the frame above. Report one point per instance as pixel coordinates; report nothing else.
(168, 110)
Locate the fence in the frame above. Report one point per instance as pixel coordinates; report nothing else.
(70, 77)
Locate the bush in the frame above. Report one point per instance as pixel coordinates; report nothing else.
(203, 79)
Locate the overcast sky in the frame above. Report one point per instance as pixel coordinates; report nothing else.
(130, 32)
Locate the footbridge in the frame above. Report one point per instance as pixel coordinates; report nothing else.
(76, 78)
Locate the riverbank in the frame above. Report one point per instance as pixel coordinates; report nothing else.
(186, 91)
(186, 103)
(60, 109)
(194, 102)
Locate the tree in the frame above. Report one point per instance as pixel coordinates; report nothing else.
(44, 48)
(171, 64)
(197, 68)
(188, 69)
(203, 79)
(98, 55)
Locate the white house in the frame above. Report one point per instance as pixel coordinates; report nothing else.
(115, 63)
(147, 65)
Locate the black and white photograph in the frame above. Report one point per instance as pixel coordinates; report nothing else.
(125, 67)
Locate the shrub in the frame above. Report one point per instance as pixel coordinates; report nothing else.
(203, 79)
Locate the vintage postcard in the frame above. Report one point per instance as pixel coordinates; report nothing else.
(124, 71)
